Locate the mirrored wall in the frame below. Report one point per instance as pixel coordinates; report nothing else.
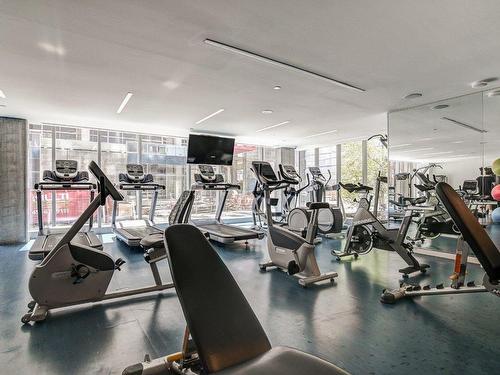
(453, 140)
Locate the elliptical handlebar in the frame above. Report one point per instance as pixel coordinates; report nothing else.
(300, 190)
(329, 177)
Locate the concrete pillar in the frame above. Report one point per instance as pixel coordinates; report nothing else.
(13, 174)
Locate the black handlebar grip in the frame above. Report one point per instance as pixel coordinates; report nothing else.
(103, 192)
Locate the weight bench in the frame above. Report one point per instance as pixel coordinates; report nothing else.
(223, 335)
(473, 237)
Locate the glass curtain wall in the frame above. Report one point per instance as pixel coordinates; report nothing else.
(39, 159)
(117, 150)
(327, 157)
(352, 172)
(377, 162)
(162, 156)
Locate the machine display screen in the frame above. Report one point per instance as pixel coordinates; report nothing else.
(205, 149)
(267, 171)
(315, 171)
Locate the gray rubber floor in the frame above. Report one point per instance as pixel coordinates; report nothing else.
(344, 323)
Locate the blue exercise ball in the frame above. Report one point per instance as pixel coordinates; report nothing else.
(495, 215)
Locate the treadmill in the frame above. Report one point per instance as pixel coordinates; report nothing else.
(217, 231)
(65, 177)
(129, 231)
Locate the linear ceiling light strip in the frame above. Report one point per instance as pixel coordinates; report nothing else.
(281, 64)
(464, 125)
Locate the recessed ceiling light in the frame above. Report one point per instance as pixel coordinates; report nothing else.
(280, 64)
(413, 95)
(267, 111)
(209, 116)
(457, 142)
(323, 133)
(494, 93)
(171, 85)
(51, 48)
(277, 87)
(483, 82)
(273, 126)
(124, 102)
(440, 106)
(2, 95)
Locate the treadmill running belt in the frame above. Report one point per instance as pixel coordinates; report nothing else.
(52, 240)
(141, 232)
(229, 231)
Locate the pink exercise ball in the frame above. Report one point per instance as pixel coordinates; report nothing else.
(495, 193)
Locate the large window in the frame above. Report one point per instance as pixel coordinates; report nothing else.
(165, 158)
(162, 156)
(351, 172)
(117, 150)
(40, 159)
(327, 157)
(377, 164)
(74, 144)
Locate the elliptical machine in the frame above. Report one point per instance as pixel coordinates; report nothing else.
(330, 219)
(289, 251)
(297, 218)
(367, 232)
(292, 193)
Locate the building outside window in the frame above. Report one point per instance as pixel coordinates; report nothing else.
(351, 172)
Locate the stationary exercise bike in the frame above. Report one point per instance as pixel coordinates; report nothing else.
(73, 274)
(289, 251)
(367, 232)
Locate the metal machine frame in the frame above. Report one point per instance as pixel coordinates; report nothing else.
(287, 250)
(132, 235)
(47, 239)
(73, 274)
(217, 231)
(473, 238)
(366, 232)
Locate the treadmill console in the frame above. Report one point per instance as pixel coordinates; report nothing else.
(66, 171)
(135, 174)
(207, 175)
(207, 172)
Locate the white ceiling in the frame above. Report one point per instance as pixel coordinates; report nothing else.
(421, 134)
(103, 49)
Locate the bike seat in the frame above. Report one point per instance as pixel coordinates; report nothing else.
(154, 240)
(317, 205)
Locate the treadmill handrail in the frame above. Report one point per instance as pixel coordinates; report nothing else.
(65, 185)
(215, 186)
(140, 186)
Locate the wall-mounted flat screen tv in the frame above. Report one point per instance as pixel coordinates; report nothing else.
(207, 149)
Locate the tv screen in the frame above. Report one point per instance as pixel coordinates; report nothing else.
(206, 149)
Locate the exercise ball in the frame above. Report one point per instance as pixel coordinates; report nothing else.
(495, 215)
(495, 192)
(496, 167)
